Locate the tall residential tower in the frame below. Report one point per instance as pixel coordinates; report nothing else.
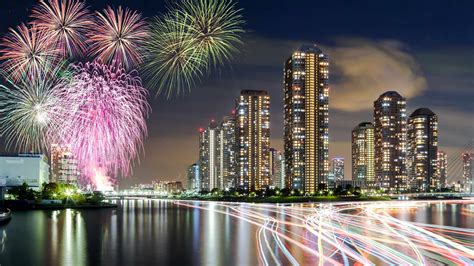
(363, 167)
(390, 141)
(442, 168)
(253, 139)
(208, 157)
(422, 150)
(306, 122)
(467, 172)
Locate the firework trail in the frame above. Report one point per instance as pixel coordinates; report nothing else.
(65, 24)
(119, 36)
(188, 40)
(26, 50)
(105, 125)
(29, 112)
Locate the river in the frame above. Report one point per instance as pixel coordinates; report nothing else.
(159, 232)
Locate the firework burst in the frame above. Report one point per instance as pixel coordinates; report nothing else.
(26, 50)
(188, 41)
(173, 62)
(119, 37)
(29, 112)
(65, 23)
(106, 125)
(215, 25)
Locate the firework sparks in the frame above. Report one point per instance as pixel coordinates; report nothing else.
(173, 62)
(26, 50)
(216, 26)
(106, 125)
(29, 111)
(65, 24)
(188, 40)
(119, 36)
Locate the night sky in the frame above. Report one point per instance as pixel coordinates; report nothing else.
(423, 49)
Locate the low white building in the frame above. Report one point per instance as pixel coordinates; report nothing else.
(32, 169)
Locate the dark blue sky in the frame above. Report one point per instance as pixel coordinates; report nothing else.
(424, 49)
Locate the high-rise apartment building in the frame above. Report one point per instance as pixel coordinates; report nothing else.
(337, 169)
(422, 150)
(208, 156)
(390, 141)
(272, 157)
(277, 173)
(227, 170)
(442, 168)
(193, 177)
(64, 168)
(363, 164)
(278, 177)
(306, 122)
(253, 139)
(467, 177)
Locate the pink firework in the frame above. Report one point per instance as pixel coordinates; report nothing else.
(66, 23)
(119, 36)
(26, 51)
(106, 122)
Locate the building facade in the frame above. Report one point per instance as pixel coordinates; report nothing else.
(32, 169)
(208, 156)
(422, 150)
(390, 141)
(442, 169)
(337, 169)
(227, 153)
(363, 162)
(467, 178)
(306, 120)
(64, 168)
(193, 177)
(253, 140)
(277, 168)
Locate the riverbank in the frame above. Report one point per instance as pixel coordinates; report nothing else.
(28, 205)
(288, 199)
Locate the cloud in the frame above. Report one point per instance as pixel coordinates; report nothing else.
(363, 69)
(360, 69)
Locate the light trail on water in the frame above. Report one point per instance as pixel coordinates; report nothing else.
(362, 233)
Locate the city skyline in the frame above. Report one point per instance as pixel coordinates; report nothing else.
(172, 142)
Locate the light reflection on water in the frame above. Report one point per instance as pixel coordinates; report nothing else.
(160, 232)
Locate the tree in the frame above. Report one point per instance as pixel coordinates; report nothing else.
(50, 191)
(23, 192)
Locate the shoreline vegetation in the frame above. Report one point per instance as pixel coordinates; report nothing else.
(17, 205)
(286, 199)
(54, 196)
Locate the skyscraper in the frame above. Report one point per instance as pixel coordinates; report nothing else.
(253, 139)
(390, 141)
(422, 149)
(278, 177)
(193, 177)
(277, 173)
(208, 156)
(337, 169)
(442, 168)
(363, 168)
(64, 168)
(227, 153)
(467, 178)
(306, 122)
(272, 162)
